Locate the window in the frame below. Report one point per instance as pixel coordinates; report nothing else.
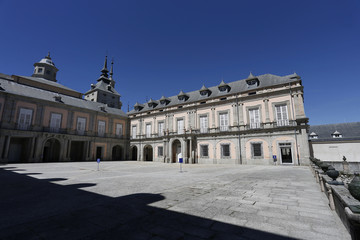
(204, 150)
(282, 115)
(224, 121)
(39, 70)
(160, 151)
(133, 132)
(101, 128)
(203, 124)
(119, 130)
(24, 121)
(80, 126)
(55, 122)
(161, 129)
(180, 126)
(254, 115)
(148, 130)
(225, 150)
(256, 149)
(48, 72)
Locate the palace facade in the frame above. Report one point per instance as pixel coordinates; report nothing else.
(44, 121)
(257, 120)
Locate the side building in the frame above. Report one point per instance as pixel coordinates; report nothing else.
(44, 121)
(249, 121)
(331, 142)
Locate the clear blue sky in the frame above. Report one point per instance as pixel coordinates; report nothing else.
(162, 47)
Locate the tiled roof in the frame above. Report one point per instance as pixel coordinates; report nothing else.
(32, 92)
(266, 80)
(349, 131)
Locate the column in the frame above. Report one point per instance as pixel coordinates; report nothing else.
(32, 144)
(241, 116)
(185, 156)
(191, 153)
(213, 117)
(235, 114)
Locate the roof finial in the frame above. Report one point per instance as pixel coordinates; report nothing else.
(48, 56)
(104, 70)
(111, 69)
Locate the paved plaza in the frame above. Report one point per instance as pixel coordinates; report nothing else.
(145, 200)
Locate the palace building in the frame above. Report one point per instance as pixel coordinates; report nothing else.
(257, 120)
(44, 121)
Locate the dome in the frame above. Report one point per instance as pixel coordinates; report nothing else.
(47, 60)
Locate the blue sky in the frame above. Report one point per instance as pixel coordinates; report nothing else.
(162, 47)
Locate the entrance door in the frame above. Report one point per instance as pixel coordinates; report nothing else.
(286, 156)
(176, 150)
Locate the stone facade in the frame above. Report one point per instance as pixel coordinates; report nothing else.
(43, 121)
(250, 121)
(242, 125)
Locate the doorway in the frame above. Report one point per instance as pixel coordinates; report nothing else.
(286, 154)
(148, 153)
(176, 151)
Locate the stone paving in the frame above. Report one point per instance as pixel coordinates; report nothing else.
(141, 200)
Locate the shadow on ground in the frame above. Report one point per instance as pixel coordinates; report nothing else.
(38, 209)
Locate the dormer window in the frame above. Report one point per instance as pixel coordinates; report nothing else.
(164, 100)
(57, 98)
(204, 91)
(182, 96)
(336, 134)
(152, 103)
(313, 136)
(224, 87)
(138, 106)
(252, 81)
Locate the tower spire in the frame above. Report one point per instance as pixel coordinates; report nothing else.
(111, 69)
(104, 70)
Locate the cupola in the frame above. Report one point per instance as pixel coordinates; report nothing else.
(46, 69)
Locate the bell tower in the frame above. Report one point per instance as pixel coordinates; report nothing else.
(104, 90)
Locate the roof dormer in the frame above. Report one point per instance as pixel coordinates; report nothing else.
(252, 81)
(164, 101)
(182, 96)
(204, 91)
(138, 106)
(152, 103)
(313, 136)
(223, 87)
(336, 134)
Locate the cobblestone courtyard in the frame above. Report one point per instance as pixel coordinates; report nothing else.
(139, 200)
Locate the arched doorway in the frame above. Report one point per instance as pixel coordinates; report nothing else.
(117, 153)
(51, 152)
(148, 153)
(133, 153)
(176, 150)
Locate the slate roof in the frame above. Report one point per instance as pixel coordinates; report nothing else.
(266, 80)
(32, 92)
(101, 85)
(349, 131)
(48, 82)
